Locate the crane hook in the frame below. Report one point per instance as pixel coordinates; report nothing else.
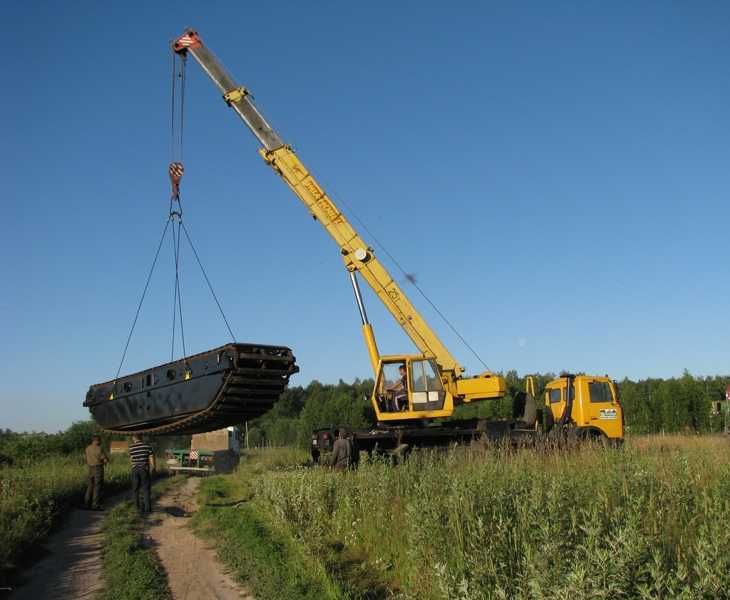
(175, 171)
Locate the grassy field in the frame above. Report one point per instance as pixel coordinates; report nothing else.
(34, 494)
(648, 521)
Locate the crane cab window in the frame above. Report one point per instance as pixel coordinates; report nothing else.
(555, 396)
(600, 391)
(393, 388)
(427, 391)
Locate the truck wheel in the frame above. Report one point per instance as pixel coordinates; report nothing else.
(597, 438)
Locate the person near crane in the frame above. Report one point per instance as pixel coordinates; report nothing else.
(399, 390)
(341, 458)
(96, 458)
(142, 458)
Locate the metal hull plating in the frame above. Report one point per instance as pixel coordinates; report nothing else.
(204, 392)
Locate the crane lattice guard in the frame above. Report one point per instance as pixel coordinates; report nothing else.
(203, 392)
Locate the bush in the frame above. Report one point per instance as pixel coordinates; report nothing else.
(27, 448)
(33, 496)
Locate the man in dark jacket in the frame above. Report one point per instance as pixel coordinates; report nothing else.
(96, 458)
(341, 458)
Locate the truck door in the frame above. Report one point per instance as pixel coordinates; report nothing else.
(555, 401)
(557, 396)
(603, 409)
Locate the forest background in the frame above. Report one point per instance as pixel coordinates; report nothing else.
(681, 404)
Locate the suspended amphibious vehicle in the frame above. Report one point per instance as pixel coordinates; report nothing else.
(199, 393)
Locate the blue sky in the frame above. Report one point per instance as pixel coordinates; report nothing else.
(555, 174)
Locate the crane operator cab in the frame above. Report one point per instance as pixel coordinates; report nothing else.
(406, 385)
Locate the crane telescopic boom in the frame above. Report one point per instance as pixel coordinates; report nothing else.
(358, 257)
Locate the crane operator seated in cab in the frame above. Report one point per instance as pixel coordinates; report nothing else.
(399, 391)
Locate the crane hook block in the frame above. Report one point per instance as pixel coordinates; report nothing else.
(175, 171)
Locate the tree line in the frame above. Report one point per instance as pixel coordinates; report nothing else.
(654, 405)
(683, 403)
(19, 449)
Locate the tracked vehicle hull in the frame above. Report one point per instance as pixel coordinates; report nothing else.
(204, 392)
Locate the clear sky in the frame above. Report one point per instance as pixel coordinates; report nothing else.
(554, 174)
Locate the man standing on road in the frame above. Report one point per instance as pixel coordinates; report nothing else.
(95, 460)
(341, 451)
(142, 458)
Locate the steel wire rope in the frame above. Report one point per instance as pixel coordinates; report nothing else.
(177, 295)
(177, 138)
(174, 298)
(183, 71)
(174, 285)
(210, 286)
(177, 129)
(178, 143)
(141, 300)
(172, 109)
(176, 152)
(408, 277)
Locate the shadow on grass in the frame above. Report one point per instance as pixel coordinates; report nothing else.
(355, 575)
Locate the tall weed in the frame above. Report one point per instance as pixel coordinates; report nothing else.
(33, 495)
(646, 521)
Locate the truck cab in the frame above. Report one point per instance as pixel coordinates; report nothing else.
(588, 402)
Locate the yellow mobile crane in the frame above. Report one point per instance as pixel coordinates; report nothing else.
(410, 390)
(434, 382)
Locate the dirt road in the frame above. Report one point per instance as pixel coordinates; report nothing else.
(72, 569)
(193, 570)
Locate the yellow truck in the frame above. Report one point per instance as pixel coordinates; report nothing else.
(585, 406)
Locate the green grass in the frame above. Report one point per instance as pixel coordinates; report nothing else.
(256, 548)
(131, 569)
(648, 521)
(33, 495)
